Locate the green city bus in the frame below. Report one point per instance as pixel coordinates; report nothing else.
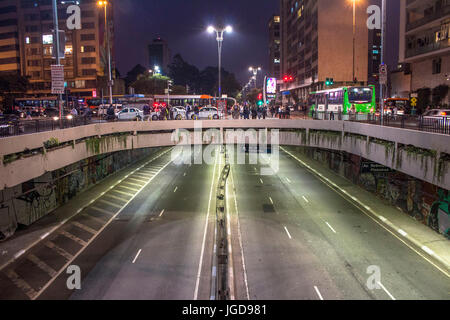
(342, 99)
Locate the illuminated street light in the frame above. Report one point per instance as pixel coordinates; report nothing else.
(110, 82)
(219, 38)
(255, 72)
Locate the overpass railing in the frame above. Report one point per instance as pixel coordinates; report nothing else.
(413, 122)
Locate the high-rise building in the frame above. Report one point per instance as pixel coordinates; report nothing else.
(159, 54)
(275, 47)
(374, 56)
(425, 43)
(26, 44)
(317, 43)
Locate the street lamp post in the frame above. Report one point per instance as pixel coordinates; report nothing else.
(219, 38)
(354, 40)
(383, 39)
(110, 81)
(255, 73)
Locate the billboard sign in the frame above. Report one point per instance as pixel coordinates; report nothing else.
(271, 85)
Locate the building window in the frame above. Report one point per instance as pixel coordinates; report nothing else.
(87, 37)
(34, 63)
(27, 40)
(88, 25)
(87, 49)
(32, 28)
(68, 49)
(47, 39)
(9, 60)
(48, 51)
(88, 60)
(89, 72)
(437, 66)
(79, 83)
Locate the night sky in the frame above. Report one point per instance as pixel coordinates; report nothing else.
(183, 23)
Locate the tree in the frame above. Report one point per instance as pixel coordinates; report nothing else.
(439, 93)
(134, 73)
(146, 84)
(252, 96)
(12, 86)
(184, 74)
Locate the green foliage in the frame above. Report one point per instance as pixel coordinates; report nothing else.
(51, 143)
(439, 93)
(103, 144)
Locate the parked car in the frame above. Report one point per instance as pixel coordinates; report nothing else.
(130, 114)
(207, 113)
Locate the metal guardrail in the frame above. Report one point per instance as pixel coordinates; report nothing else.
(412, 122)
(428, 124)
(15, 128)
(223, 290)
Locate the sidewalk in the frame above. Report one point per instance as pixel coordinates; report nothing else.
(14, 247)
(427, 243)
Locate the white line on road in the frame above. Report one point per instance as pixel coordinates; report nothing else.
(427, 250)
(200, 263)
(271, 201)
(330, 227)
(289, 181)
(287, 231)
(162, 212)
(137, 255)
(318, 293)
(175, 190)
(385, 290)
(304, 198)
(403, 233)
(184, 175)
(262, 182)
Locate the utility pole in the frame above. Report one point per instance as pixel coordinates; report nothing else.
(383, 40)
(58, 58)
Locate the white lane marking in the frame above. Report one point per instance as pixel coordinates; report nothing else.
(162, 212)
(289, 181)
(271, 201)
(137, 255)
(329, 226)
(230, 246)
(304, 198)
(373, 217)
(427, 250)
(287, 231)
(262, 182)
(240, 240)
(200, 263)
(45, 235)
(175, 190)
(18, 254)
(385, 290)
(403, 233)
(318, 293)
(184, 175)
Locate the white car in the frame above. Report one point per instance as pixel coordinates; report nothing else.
(130, 114)
(179, 113)
(207, 113)
(437, 114)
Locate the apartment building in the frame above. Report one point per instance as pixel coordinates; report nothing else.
(425, 43)
(317, 43)
(26, 44)
(275, 47)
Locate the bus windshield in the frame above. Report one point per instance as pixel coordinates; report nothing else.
(360, 95)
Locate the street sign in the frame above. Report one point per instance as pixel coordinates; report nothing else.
(383, 74)
(57, 79)
(414, 95)
(413, 102)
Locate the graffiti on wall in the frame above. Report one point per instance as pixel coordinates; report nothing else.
(425, 202)
(32, 200)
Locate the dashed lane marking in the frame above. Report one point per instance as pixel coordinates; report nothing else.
(72, 237)
(318, 293)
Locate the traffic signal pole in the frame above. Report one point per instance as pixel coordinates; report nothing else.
(58, 58)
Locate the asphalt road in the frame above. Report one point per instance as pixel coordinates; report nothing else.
(301, 240)
(292, 238)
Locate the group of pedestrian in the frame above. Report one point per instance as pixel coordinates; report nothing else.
(245, 111)
(281, 112)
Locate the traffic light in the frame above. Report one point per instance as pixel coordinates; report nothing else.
(260, 100)
(329, 82)
(288, 78)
